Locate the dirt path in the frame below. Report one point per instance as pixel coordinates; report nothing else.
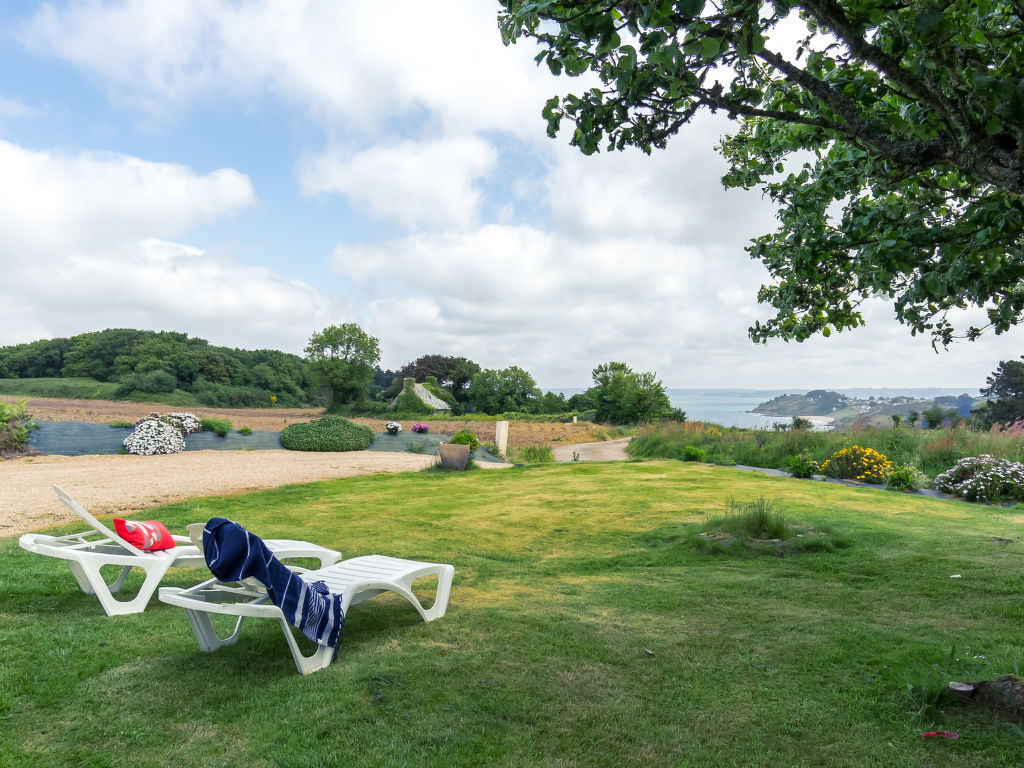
(126, 484)
(610, 450)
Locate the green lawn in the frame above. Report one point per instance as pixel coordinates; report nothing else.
(582, 631)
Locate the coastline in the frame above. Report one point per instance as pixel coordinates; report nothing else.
(823, 420)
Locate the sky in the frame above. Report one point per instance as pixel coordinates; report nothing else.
(252, 172)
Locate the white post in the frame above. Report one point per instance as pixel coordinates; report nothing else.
(573, 419)
(501, 436)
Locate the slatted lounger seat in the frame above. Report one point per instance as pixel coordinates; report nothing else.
(356, 580)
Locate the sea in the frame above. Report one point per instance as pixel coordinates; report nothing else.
(733, 407)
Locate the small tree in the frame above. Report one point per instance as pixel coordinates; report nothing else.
(494, 391)
(622, 396)
(935, 416)
(896, 420)
(1006, 385)
(342, 357)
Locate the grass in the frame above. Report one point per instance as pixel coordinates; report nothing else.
(533, 454)
(83, 388)
(929, 450)
(583, 629)
(73, 387)
(218, 426)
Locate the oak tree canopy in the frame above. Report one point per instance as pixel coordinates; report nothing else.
(891, 136)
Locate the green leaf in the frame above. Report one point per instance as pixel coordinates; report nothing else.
(691, 8)
(710, 47)
(928, 23)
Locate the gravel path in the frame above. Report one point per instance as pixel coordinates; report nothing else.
(125, 483)
(609, 450)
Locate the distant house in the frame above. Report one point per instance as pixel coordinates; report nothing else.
(424, 394)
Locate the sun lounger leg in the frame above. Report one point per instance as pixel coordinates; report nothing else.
(319, 659)
(84, 582)
(89, 578)
(445, 573)
(203, 629)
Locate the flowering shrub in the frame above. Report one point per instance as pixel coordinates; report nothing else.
(983, 478)
(393, 427)
(186, 422)
(856, 463)
(152, 436)
(420, 428)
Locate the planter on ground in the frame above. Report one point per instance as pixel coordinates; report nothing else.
(454, 456)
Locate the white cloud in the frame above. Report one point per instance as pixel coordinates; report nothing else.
(558, 306)
(80, 252)
(14, 108)
(50, 202)
(361, 63)
(431, 183)
(675, 193)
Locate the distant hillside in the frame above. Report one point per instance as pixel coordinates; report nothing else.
(129, 364)
(818, 402)
(870, 411)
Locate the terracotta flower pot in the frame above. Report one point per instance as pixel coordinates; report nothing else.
(454, 455)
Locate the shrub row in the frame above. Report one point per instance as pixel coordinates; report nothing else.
(331, 433)
(930, 451)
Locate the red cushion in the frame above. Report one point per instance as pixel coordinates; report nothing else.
(149, 535)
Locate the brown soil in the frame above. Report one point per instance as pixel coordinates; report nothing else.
(125, 484)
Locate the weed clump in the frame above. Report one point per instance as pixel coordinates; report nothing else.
(759, 527)
(220, 427)
(535, 454)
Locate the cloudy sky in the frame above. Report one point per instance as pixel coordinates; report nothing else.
(251, 172)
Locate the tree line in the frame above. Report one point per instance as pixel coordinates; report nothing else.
(345, 358)
(340, 371)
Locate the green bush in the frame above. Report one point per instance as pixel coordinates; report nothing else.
(803, 465)
(693, 453)
(465, 437)
(245, 431)
(331, 433)
(220, 426)
(901, 479)
(14, 426)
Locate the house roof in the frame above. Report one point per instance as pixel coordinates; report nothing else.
(427, 397)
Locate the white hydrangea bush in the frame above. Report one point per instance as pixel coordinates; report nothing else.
(188, 423)
(153, 436)
(983, 478)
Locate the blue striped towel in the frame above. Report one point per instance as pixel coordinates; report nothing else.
(233, 553)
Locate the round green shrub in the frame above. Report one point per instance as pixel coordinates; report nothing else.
(692, 453)
(465, 437)
(331, 433)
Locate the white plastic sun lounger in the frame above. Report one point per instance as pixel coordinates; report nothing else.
(356, 580)
(86, 553)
